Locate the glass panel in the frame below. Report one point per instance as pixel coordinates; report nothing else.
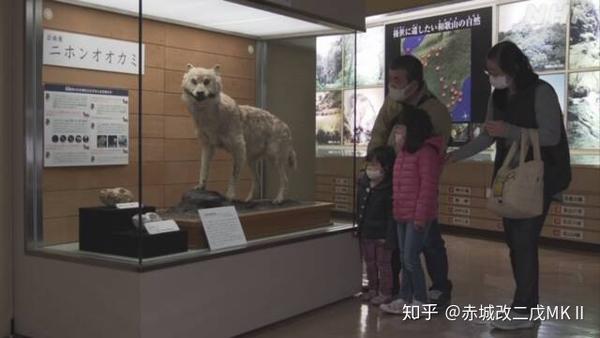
(90, 86)
(335, 108)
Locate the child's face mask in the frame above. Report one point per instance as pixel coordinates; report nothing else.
(374, 170)
(374, 174)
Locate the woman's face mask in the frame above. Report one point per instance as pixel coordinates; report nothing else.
(500, 81)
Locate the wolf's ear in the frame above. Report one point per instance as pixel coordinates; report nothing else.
(217, 69)
(190, 66)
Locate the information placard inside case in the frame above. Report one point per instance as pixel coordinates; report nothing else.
(161, 226)
(222, 227)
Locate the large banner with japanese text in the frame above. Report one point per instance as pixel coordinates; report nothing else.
(85, 126)
(453, 50)
(91, 52)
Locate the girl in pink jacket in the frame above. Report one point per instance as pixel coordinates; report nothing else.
(416, 175)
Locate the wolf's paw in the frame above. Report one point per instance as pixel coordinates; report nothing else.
(200, 187)
(230, 194)
(278, 201)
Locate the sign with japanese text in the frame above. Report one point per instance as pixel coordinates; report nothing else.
(452, 49)
(91, 52)
(85, 126)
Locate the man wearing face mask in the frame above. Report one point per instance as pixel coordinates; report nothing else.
(406, 86)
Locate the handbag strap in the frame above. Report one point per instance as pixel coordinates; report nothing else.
(509, 157)
(530, 137)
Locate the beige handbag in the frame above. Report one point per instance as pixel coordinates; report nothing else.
(519, 192)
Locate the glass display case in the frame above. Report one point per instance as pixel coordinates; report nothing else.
(142, 113)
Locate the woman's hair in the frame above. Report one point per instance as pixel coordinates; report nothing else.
(511, 59)
(385, 155)
(418, 127)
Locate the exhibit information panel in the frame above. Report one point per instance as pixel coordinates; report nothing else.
(85, 126)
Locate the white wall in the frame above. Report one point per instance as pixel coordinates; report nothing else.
(5, 172)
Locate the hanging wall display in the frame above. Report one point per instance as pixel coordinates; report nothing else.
(329, 62)
(539, 28)
(452, 49)
(584, 35)
(339, 97)
(370, 58)
(329, 118)
(583, 118)
(364, 104)
(85, 126)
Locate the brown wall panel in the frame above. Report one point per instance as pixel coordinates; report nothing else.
(203, 41)
(152, 102)
(177, 127)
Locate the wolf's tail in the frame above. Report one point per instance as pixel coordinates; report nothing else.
(292, 162)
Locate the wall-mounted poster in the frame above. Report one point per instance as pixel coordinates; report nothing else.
(557, 81)
(539, 28)
(583, 118)
(370, 60)
(446, 58)
(85, 126)
(584, 35)
(329, 62)
(329, 117)
(368, 101)
(452, 49)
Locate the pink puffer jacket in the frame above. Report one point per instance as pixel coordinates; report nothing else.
(416, 178)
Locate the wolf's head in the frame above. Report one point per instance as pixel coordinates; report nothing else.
(202, 83)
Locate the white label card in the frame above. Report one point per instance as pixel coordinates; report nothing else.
(128, 205)
(91, 52)
(222, 227)
(161, 226)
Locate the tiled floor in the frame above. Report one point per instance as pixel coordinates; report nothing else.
(480, 271)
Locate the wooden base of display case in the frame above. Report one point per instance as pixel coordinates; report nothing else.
(261, 224)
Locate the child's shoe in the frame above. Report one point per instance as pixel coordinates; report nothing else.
(380, 299)
(367, 296)
(395, 307)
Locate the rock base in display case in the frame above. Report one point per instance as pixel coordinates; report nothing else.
(259, 218)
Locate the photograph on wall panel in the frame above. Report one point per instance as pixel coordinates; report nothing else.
(329, 117)
(452, 49)
(583, 118)
(368, 102)
(539, 28)
(370, 58)
(329, 62)
(584, 35)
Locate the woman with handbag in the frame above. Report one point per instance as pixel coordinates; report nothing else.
(521, 104)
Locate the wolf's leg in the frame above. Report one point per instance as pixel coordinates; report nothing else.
(239, 159)
(208, 152)
(281, 166)
(255, 179)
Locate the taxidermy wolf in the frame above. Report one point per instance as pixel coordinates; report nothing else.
(248, 133)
